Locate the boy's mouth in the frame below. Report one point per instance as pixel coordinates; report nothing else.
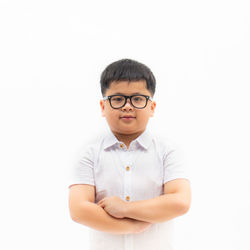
(127, 117)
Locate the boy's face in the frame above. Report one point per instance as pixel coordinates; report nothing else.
(114, 117)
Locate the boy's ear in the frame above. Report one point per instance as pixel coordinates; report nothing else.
(152, 108)
(102, 107)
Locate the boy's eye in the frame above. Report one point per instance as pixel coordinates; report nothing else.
(137, 99)
(117, 99)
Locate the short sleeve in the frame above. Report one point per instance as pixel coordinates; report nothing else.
(83, 171)
(174, 163)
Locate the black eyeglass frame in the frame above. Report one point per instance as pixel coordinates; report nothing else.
(126, 98)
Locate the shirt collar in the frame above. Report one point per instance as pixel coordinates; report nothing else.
(144, 140)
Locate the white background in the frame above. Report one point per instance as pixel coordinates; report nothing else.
(51, 56)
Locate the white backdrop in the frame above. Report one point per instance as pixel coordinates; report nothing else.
(51, 56)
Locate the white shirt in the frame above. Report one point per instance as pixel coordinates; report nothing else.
(136, 173)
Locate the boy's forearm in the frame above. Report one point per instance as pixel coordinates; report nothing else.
(91, 215)
(158, 209)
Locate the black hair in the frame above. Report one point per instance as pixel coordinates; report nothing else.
(128, 70)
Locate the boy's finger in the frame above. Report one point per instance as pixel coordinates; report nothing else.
(100, 203)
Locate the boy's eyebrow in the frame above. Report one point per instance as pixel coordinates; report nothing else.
(118, 93)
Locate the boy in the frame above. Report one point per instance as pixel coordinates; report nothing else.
(130, 183)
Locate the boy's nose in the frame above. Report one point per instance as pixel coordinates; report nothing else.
(127, 105)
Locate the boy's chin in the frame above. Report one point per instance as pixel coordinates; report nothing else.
(128, 131)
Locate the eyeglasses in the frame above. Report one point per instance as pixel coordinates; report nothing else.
(119, 101)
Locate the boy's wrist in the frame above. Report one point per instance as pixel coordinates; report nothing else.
(126, 210)
(130, 225)
(136, 226)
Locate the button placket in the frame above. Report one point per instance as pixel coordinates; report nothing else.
(127, 158)
(127, 184)
(127, 175)
(128, 238)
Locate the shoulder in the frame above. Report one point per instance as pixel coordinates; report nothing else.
(91, 145)
(167, 149)
(164, 143)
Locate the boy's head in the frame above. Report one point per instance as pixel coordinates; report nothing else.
(127, 70)
(119, 80)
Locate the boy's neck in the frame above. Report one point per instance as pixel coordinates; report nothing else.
(127, 138)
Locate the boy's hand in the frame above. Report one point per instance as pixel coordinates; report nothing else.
(113, 205)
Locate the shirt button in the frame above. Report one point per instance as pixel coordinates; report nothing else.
(127, 198)
(127, 168)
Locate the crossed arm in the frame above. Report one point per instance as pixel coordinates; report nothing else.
(174, 202)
